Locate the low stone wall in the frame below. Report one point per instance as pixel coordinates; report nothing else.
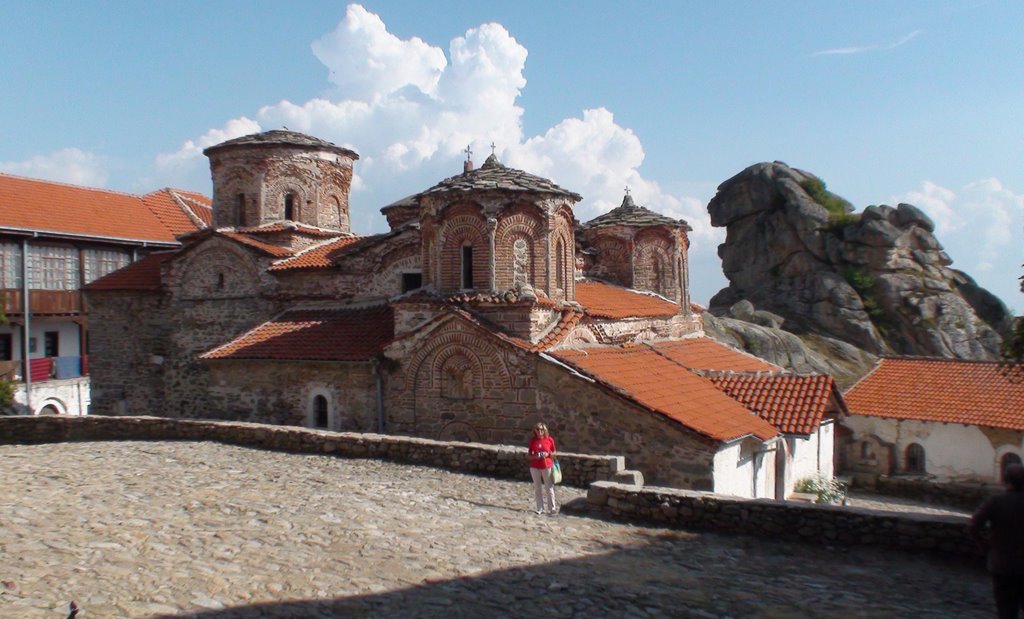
(493, 460)
(965, 495)
(823, 524)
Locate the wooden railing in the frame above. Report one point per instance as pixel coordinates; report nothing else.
(41, 301)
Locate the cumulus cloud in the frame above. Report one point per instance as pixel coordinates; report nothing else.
(410, 110)
(980, 225)
(861, 49)
(68, 165)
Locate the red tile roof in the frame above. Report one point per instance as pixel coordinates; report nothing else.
(603, 300)
(274, 250)
(319, 256)
(141, 275)
(351, 334)
(291, 226)
(179, 212)
(46, 206)
(793, 404)
(663, 386)
(566, 323)
(704, 353)
(979, 393)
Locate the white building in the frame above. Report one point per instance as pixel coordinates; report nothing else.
(55, 238)
(943, 419)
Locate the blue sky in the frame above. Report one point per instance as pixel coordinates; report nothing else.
(886, 101)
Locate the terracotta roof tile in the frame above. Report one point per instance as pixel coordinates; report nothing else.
(793, 404)
(267, 248)
(143, 274)
(318, 256)
(179, 212)
(603, 300)
(704, 353)
(33, 204)
(979, 393)
(566, 323)
(661, 385)
(277, 227)
(352, 334)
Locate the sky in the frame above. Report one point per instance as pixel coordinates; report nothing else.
(887, 102)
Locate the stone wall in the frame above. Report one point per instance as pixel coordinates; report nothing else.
(965, 495)
(493, 460)
(822, 524)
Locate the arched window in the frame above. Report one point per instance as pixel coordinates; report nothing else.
(467, 266)
(319, 412)
(1007, 459)
(865, 451)
(239, 214)
(289, 206)
(915, 458)
(560, 265)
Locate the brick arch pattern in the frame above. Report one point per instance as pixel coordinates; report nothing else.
(519, 224)
(653, 268)
(429, 390)
(458, 230)
(563, 255)
(229, 182)
(612, 261)
(218, 273)
(273, 200)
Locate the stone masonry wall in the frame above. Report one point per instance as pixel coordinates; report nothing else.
(283, 393)
(822, 524)
(127, 356)
(493, 460)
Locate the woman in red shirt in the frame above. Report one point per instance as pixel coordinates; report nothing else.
(542, 460)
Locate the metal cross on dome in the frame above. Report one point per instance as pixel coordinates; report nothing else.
(627, 190)
(493, 147)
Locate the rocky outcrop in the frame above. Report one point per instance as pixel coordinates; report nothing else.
(878, 280)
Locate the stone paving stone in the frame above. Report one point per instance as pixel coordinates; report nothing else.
(149, 529)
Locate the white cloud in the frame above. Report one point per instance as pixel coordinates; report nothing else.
(980, 226)
(68, 165)
(845, 51)
(409, 111)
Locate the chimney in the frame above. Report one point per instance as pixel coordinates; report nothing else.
(467, 166)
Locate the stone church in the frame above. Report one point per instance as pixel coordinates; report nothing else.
(484, 309)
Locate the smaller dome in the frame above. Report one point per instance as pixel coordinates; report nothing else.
(281, 137)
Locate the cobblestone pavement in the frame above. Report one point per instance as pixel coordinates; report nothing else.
(142, 529)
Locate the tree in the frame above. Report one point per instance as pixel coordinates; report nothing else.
(1013, 345)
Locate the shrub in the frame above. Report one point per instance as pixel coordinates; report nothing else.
(827, 489)
(6, 394)
(840, 210)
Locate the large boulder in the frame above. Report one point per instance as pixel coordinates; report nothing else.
(879, 281)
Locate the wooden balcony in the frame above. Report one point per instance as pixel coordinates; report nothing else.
(42, 302)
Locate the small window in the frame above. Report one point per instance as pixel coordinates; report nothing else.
(289, 206)
(560, 265)
(411, 281)
(220, 281)
(915, 458)
(467, 266)
(239, 214)
(320, 412)
(1007, 459)
(865, 451)
(51, 344)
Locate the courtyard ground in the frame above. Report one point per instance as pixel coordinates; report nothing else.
(140, 529)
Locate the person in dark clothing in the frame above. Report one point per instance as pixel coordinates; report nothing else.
(1004, 514)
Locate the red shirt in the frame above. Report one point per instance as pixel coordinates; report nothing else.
(538, 445)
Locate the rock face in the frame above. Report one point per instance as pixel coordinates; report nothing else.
(878, 280)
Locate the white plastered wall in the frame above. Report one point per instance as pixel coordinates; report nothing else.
(811, 456)
(952, 451)
(744, 469)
